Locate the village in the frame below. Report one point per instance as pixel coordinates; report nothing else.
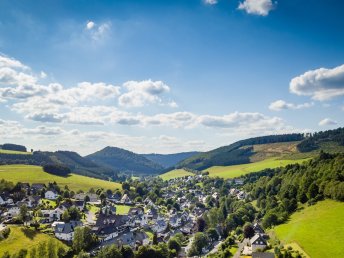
(178, 209)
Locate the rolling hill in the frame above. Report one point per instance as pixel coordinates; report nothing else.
(124, 161)
(169, 160)
(76, 163)
(35, 174)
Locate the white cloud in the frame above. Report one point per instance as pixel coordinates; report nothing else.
(211, 2)
(141, 93)
(321, 84)
(279, 105)
(327, 122)
(257, 7)
(90, 25)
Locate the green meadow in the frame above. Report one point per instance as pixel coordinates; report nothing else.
(24, 238)
(14, 152)
(242, 169)
(318, 229)
(35, 174)
(175, 174)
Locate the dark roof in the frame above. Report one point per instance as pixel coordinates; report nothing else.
(67, 228)
(262, 255)
(107, 224)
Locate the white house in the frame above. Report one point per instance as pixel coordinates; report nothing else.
(65, 231)
(52, 215)
(12, 212)
(258, 242)
(51, 195)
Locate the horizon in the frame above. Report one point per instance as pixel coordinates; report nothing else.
(171, 77)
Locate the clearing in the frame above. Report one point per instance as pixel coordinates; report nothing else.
(242, 169)
(175, 174)
(35, 174)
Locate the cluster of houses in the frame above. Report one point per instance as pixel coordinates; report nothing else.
(135, 227)
(257, 243)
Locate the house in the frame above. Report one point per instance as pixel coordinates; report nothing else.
(258, 229)
(81, 197)
(12, 212)
(65, 231)
(50, 195)
(110, 224)
(262, 255)
(35, 188)
(130, 238)
(258, 242)
(125, 199)
(52, 215)
(2, 201)
(108, 210)
(160, 225)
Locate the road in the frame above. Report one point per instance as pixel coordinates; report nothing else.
(241, 247)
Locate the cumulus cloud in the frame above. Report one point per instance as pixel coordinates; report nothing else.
(321, 84)
(279, 105)
(97, 32)
(211, 2)
(90, 25)
(327, 122)
(257, 7)
(141, 93)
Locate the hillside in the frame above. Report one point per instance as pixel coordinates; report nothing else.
(317, 229)
(72, 160)
(124, 161)
(169, 160)
(237, 153)
(35, 174)
(25, 238)
(176, 173)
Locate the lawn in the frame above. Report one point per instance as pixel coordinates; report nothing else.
(15, 152)
(175, 174)
(318, 229)
(242, 169)
(23, 238)
(122, 209)
(35, 174)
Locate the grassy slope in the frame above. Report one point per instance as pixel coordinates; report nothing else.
(21, 237)
(122, 209)
(35, 174)
(175, 174)
(14, 152)
(238, 170)
(318, 229)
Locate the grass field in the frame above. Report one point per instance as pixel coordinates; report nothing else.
(318, 229)
(175, 174)
(239, 170)
(14, 152)
(122, 209)
(35, 174)
(24, 238)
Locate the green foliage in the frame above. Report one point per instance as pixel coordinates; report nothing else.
(83, 239)
(199, 242)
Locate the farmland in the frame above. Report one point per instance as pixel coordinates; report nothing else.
(175, 174)
(317, 229)
(14, 152)
(35, 174)
(242, 169)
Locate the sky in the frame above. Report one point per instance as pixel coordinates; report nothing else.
(167, 76)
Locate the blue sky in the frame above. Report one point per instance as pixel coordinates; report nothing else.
(167, 76)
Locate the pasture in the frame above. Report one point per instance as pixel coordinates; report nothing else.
(318, 229)
(176, 173)
(233, 171)
(35, 174)
(24, 238)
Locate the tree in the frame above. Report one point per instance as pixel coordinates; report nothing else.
(23, 213)
(83, 254)
(212, 234)
(126, 186)
(174, 244)
(109, 252)
(127, 252)
(155, 238)
(269, 220)
(83, 239)
(66, 216)
(200, 241)
(200, 224)
(248, 230)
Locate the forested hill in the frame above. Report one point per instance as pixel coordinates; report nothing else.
(235, 153)
(278, 191)
(169, 160)
(314, 141)
(72, 160)
(124, 161)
